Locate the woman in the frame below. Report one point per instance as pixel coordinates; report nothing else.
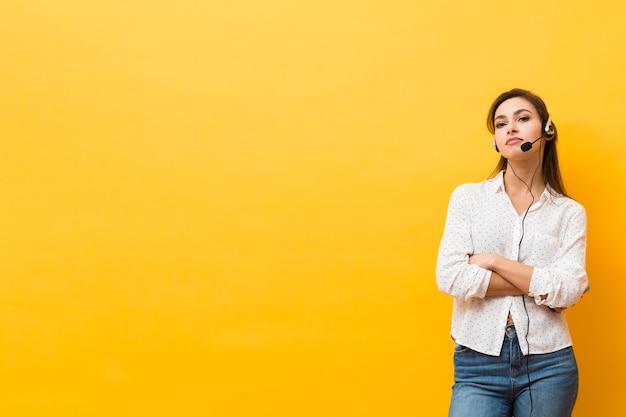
(512, 256)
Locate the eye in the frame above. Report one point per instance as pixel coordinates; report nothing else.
(524, 119)
(500, 124)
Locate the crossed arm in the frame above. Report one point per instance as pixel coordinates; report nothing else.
(508, 277)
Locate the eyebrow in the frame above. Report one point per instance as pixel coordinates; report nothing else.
(514, 114)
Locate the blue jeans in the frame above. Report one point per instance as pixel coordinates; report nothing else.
(512, 384)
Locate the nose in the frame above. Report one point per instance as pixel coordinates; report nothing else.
(511, 128)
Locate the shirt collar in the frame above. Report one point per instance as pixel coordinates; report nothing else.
(497, 185)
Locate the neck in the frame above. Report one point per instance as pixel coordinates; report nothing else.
(521, 178)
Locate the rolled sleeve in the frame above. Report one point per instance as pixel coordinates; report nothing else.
(564, 281)
(455, 276)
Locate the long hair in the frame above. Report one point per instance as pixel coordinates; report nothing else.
(550, 169)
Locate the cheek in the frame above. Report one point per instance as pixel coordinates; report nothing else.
(534, 130)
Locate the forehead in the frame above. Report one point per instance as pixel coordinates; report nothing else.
(513, 105)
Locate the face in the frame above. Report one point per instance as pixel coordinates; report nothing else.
(516, 121)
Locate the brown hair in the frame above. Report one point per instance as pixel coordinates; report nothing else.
(550, 169)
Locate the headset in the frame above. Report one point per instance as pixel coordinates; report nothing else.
(548, 131)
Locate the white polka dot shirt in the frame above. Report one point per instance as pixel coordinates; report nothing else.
(482, 219)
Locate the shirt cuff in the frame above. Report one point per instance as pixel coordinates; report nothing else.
(540, 286)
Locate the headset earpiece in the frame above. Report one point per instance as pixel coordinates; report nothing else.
(548, 129)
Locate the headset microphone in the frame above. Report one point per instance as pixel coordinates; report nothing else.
(526, 146)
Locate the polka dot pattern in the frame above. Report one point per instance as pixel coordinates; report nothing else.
(482, 219)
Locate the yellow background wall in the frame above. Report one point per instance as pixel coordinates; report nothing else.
(232, 208)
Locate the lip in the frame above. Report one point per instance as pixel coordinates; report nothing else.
(514, 140)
